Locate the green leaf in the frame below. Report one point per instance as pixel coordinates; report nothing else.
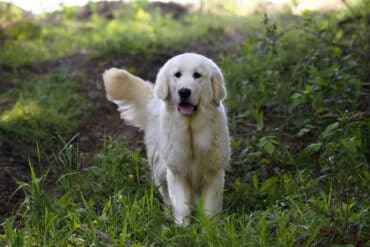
(296, 96)
(329, 131)
(314, 147)
(255, 182)
(268, 143)
(270, 186)
(304, 130)
(307, 90)
(270, 148)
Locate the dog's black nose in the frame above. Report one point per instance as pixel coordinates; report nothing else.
(184, 93)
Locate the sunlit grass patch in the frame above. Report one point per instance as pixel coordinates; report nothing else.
(41, 110)
(21, 110)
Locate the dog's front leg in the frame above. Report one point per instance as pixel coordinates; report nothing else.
(213, 193)
(180, 197)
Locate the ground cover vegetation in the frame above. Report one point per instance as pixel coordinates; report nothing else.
(298, 106)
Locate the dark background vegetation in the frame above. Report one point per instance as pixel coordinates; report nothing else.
(73, 174)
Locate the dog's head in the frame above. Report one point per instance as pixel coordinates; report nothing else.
(188, 81)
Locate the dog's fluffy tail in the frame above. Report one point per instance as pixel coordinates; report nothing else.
(130, 93)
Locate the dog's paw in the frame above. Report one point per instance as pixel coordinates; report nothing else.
(115, 82)
(182, 221)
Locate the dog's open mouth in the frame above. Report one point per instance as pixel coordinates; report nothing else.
(187, 109)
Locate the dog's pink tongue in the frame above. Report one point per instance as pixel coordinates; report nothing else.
(186, 109)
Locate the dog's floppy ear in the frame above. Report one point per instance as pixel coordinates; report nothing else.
(218, 84)
(161, 88)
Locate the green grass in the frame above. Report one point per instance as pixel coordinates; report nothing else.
(113, 202)
(298, 115)
(134, 30)
(39, 110)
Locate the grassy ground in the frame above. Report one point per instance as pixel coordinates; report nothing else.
(298, 108)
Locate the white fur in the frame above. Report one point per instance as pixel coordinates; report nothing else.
(188, 154)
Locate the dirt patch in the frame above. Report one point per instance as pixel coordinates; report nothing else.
(13, 168)
(175, 10)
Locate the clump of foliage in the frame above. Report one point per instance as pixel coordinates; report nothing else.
(14, 26)
(305, 88)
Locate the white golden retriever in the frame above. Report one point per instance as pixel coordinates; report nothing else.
(185, 126)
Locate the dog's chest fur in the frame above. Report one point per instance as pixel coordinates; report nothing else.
(191, 139)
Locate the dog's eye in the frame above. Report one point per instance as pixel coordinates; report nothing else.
(178, 74)
(196, 75)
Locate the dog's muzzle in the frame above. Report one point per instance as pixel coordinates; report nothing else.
(186, 108)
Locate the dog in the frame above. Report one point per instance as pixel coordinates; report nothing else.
(185, 128)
